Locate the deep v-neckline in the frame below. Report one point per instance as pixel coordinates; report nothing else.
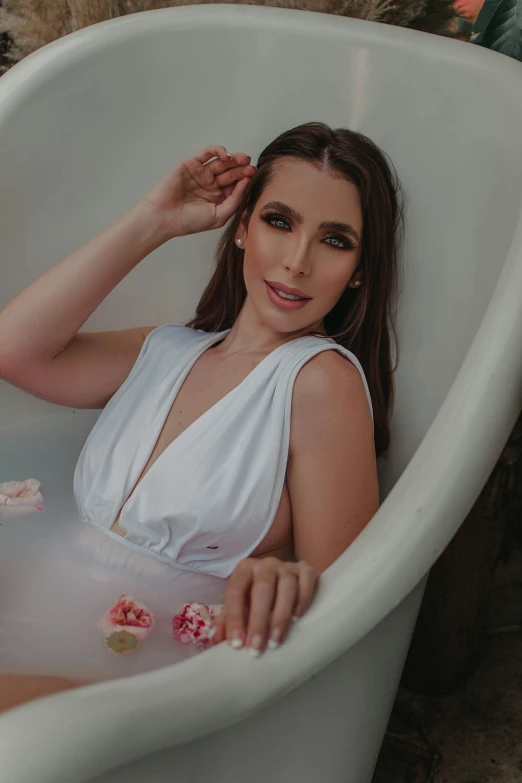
(216, 337)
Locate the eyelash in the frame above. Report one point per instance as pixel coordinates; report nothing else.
(268, 216)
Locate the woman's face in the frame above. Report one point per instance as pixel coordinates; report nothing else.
(291, 241)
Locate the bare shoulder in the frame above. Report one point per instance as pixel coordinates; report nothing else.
(332, 469)
(328, 396)
(326, 372)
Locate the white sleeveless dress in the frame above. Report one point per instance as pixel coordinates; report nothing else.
(211, 497)
(204, 504)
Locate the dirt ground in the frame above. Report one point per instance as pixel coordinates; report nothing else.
(474, 734)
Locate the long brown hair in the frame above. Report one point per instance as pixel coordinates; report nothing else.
(363, 319)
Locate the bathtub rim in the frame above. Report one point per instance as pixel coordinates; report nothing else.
(40, 64)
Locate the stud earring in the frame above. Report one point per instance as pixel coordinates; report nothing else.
(357, 283)
(239, 241)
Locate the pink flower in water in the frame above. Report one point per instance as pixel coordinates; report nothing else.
(125, 624)
(20, 496)
(126, 611)
(194, 624)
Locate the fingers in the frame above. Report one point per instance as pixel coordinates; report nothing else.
(226, 209)
(212, 151)
(262, 597)
(233, 175)
(224, 158)
(228, 191)
(308, 580)
(284, 608)
(230, 170)
(236, 603)
(219, 629)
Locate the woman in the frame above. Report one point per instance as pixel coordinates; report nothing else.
(297, 315)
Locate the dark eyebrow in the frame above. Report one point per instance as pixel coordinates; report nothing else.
(329, 225)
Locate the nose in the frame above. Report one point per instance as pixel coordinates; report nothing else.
(297, 262)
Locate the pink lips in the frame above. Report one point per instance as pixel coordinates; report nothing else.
(286, 289)
(284, 304)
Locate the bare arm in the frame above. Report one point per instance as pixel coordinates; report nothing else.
(332, 471)
(41, 351)
(87, 373)
(332, 482)
(43, 319)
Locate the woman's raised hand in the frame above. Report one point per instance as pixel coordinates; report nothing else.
(262, 597)
(200, 193)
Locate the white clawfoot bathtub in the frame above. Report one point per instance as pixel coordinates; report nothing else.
(90, 122)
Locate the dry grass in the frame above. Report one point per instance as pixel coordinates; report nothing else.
(26, 25)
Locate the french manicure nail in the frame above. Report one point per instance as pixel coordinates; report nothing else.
(253, 652)
(273, 644)
(236, 641)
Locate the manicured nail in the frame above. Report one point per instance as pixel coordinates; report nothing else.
(295, 618)
(275, 639)
(273, 645)
(235, 640)
(254, 648)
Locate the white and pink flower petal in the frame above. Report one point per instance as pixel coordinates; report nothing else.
(126, 624)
